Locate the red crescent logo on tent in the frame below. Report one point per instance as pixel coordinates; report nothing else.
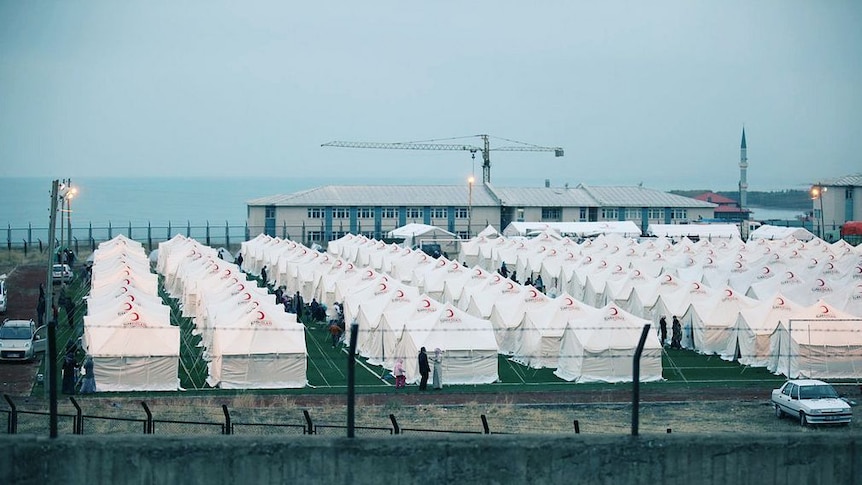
(260, 315)
(637, 272)
(304, 251)
(128, 306)
(510, 285)
(790, 275)
(382, 286)
(668, 277)
(614, 311)
(135, 316)
(820, 282)
(738, 255)
(830, 266)
(589, 259)
(450, 313)
(603, 263)
(553, 252)
(534, 293)
(227, 272)
(780, 301)
(728, 292)
(124, 289)
(542, 249)
(338, 263)
(350, 266)
(478, 271)
(766, 270)
(618, 268)
(738, 264)
(569, 301)
(127, 281)
(824, 309)
(426, 303)
(795, 252)
(127, 273)
(859, 269)
(441, 263)
(385, 278)
(570, 255)
(131, 297)
(696, 285)
(369, 273)
(255, 304)
(708, 260)
(399, 294)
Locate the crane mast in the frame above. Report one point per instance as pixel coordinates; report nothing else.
(428, 145)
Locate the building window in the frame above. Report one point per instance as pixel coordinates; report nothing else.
(390, 213)
(414, 213)
(438, 213)
(340, 213)
(679, 214)
(633, 213)
(583, 214)
(656, 214)
(269, 212)
(338, 234)
(315, 236)
(520, 214)
(461, 213)
(315, 213)
(552, 213)
(610, 214)
(365, 213)
(848, 194)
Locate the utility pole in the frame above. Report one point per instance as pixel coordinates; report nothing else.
(51, 354)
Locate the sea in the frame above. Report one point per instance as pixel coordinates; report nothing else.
(177, 202)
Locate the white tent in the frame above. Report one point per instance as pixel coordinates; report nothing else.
(508, 313)
(712, 322)
(415, 234)
(601, 349)
(702, 231)
(258, 351)
(468, 345)
(756, 325)
(819, 342)
(775, 232)
(543, 327)
(580, 229)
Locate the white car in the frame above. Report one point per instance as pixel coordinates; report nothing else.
(20, 340)
(61, 273)
(812, 402)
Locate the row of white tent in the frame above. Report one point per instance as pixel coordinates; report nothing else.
(249, 341)
(396, 317)
(716, 320)
(127, 328)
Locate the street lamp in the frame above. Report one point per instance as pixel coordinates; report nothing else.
(470, 181)
(817, 192)
(65, 194)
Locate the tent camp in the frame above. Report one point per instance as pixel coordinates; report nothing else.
(775, 232)
(692, 231)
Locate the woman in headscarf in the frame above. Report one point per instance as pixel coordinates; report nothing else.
(88, 383)
(400, 375)
(438, 368)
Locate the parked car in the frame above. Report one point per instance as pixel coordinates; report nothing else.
(812, 402)
(3, 293)
(21, 340)
(61, 273)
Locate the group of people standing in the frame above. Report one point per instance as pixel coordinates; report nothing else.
(676, 332)
(425, 369)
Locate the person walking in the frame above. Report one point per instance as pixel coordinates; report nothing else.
(41, 305)
(263, 276)
(69, 367)
(438, 369)
(88, 382)
(424, 369)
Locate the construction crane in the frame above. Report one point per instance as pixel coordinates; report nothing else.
(434, 145)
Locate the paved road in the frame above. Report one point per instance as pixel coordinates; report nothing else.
(16, 379)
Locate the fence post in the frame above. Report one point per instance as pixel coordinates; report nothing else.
(78, 422)
(40, 245)
(25, 248)
(29, 233)
(351, 380)
(12, 425)
(110, 231)
(395, 427)
(208, 234)
(130, 230)
(76, 246)
(228, 427)
(188, 228)
(309, 426)
(226, 235)
(485, 425)
(149, 427)
(9, 237)
(150, 236)
(636, 380)
(168, 238)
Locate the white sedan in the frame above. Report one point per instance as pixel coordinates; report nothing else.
(812, 402)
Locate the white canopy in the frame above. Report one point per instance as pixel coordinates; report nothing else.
(701, 231)
(775, 232)
(580, 229)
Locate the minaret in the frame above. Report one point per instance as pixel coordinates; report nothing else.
(743, 175)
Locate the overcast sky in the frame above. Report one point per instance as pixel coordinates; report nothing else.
(653, 92)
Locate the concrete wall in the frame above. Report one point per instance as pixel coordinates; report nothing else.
(725, 459)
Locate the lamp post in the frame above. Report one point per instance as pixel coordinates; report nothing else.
(470, 181)
(817, 192)
(73, 191)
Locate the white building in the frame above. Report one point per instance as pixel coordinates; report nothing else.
(835, 202)
(325, 213)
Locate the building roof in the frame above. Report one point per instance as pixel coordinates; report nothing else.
(715, 198)
(482, 196)
(637, 196)
(852, 180)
